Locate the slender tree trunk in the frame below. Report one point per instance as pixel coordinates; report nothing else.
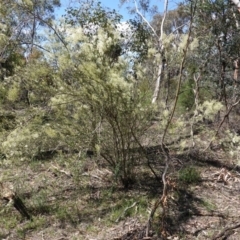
(168, 89)
(158, 82)
(236, 77)
(161, 47)
(161, 66)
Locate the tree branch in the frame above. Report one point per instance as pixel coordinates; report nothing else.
(144, 19)
(221, 123)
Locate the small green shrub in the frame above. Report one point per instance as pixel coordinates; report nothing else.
(189, 175)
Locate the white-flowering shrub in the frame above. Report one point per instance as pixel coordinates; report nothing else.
(29, 141)
(208, 110)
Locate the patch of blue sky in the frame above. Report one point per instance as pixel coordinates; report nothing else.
(115, 4)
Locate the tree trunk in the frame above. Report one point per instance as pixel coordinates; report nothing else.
(158, 81)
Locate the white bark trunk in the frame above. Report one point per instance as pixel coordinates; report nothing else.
(158, 81)
(237, 3)
(161, 66)
(160, 45)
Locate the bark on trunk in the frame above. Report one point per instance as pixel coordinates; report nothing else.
(158, 82)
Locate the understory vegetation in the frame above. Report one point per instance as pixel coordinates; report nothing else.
(115, 129)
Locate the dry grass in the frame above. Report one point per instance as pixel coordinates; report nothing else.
(71, 198)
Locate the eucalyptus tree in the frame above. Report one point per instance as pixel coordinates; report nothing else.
(21, 23)
(26, 85)
(217, 31)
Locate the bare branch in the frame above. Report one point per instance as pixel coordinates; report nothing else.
(144, 19)
(36, 45)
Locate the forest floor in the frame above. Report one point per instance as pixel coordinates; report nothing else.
(68, 198)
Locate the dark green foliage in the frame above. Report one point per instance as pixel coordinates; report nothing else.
(139, 43)
(7, 121)
(93, 14)
(9, 63)
(186, 97)
(3, 94)
(189, 175)
(2, 156)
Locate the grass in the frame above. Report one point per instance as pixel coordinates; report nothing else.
(67, 215)
(37, 223)
(8, 222)
(124, 208)
(52, 197)
(209, 205)
(189, 175)
(39, 203)
(89, 202)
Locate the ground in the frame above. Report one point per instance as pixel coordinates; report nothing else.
(77, 198)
